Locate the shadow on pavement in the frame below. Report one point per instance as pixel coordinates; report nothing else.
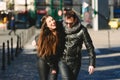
(25, 68)
(22, 68)
(107, 65)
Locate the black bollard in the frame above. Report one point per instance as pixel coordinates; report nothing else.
(23, 39)
(20, 43)
(3, 57)
(8, 53)
(12, 54)
(17, 47)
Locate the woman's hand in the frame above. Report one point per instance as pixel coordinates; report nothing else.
(34, 43)
(91, 69)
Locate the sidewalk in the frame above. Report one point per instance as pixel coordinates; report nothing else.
(105, 38)
(24, 37)
(107, 63)
(24, 66)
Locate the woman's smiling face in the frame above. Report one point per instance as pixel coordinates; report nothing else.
(51, 24)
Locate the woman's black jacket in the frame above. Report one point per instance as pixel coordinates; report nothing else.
(52, 60)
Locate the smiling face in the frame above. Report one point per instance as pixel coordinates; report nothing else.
(51, 24)
(69, 22)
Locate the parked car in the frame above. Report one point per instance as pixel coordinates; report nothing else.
(114, 23)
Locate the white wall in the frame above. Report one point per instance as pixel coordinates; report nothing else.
(20, 4)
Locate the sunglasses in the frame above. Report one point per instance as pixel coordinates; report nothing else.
(69, 23)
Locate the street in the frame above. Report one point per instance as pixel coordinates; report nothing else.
(24, 67)
(18, 60)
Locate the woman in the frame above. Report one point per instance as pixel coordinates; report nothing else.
(49, 48)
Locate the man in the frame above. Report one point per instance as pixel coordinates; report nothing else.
(76, 35)
(12, 26)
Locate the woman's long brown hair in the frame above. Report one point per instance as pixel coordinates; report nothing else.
(47, 42)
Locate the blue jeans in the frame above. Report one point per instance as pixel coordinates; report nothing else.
(68, 72)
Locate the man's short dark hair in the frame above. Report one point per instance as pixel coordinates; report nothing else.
(70, 14)
(67, 9)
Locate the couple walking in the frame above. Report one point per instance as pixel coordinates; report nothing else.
(59, 46)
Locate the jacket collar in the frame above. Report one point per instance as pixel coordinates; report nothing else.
(72, 30)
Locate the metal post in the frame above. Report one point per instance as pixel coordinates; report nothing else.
(13, 4)
(51, 7)
(8, 53)
(20, 42)
(17, 47)
(95, 17)
(111, 9)
(3, 57)
(26, 12)
(60, 7)
(25, 4)
(12, 54)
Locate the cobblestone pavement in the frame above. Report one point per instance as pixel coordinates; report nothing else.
(24, 66)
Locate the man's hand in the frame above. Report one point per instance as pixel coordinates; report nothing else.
(53, 71)
(91, 69)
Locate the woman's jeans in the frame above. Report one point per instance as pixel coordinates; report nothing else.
(68, 72)
(45, 71)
